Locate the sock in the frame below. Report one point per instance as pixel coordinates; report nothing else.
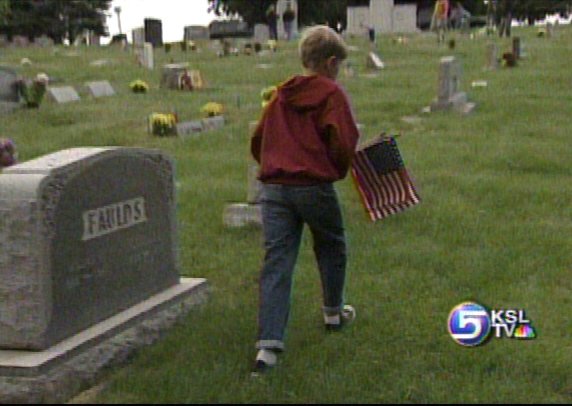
(335, 319)
(269, 357)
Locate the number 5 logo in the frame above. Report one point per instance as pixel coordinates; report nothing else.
(469, 324)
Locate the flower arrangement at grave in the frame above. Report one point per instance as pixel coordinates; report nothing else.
(8, 154)
(33, 92)
(267, 94)
(163, 124)
(186, 81)
(212, 109)
(139, 86)
(508, 60)
(272, 45)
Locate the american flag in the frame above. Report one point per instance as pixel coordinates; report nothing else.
(382, 180)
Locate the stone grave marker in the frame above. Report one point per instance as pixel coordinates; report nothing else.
(44, 41)
(89, 260)
(196, 32)
(100, 89)
(492, 56)
(213, 123)
(189, 128)
(549, 30)
(138, 37)
(20, 41)
(197, 79)
(87, 233)
(261, 33)
(8, 86)
(374, 62)
(516, 47)
(147, 57)
(64, 94)
(450, 95)
(171, 74)
(249, 213)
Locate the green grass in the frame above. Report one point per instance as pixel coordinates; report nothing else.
(495, 226)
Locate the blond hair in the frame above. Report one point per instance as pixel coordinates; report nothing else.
(318, 44)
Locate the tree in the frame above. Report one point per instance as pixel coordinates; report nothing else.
(333, 11)
(4, 11)
(310, 11)
(532, 10)
(58, 19)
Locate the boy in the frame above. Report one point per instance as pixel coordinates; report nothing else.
(304, 142)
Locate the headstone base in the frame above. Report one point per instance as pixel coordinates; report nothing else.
(61, 372)
(458, 102)
(242, 214)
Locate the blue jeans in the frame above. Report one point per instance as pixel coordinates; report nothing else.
(285, 209)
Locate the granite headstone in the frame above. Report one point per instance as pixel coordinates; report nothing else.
(85, 233)
(450, 95)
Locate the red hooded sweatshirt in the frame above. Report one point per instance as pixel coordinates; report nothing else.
(307, 134)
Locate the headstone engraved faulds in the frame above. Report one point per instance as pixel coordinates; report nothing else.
(64, 94)
(249, 213)
(100, 89)
(450, 96)
(86, 233)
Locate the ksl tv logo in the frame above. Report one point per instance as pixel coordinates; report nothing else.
(471, 324)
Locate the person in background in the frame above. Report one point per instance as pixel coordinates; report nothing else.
(440, 19)
(460, 17)
(272, 19)
(288, 18)
(504, 17)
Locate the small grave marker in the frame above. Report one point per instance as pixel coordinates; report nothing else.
(100, 89)
(64, 94)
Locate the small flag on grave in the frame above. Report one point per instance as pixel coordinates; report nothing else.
(381, 179)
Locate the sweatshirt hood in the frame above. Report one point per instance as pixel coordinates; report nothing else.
(306, 92)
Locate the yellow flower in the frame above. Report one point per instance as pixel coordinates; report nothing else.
(212, 109)
(138, 86)
(162, 124)
(267, 94)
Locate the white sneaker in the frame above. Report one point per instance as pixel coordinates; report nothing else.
(338, 321)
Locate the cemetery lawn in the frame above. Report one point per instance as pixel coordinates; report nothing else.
(495, 226)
